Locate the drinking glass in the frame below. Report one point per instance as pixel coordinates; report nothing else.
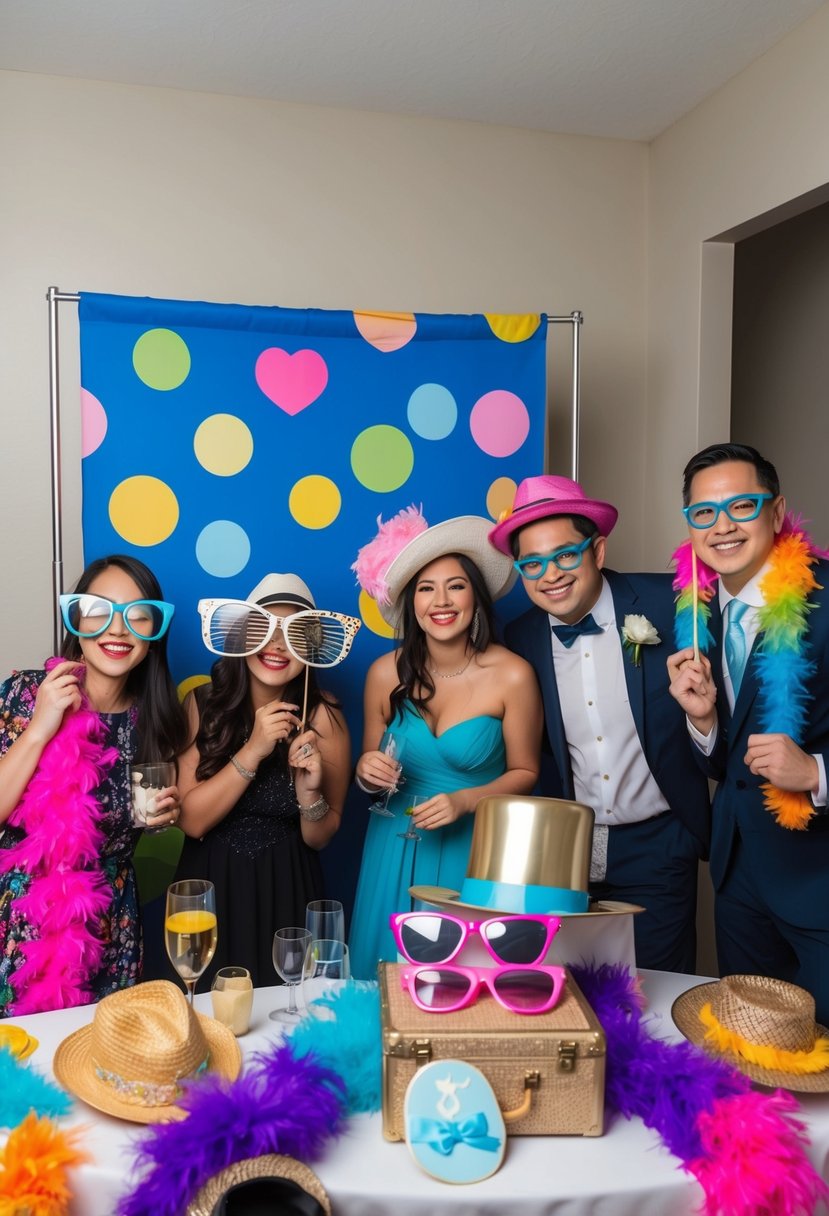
(232, 996)
(391, 746)
(191, 928)
(411, 832)
(325, 920)
(290, 947)
(148, 778)
(327, 965)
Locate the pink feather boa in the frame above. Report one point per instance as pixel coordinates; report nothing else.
(68, 893)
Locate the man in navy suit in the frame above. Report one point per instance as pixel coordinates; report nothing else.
(771, 882)
(617, 740)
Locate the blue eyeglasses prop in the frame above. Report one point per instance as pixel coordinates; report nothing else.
(566, 559)
(88, 616)
(740, 509)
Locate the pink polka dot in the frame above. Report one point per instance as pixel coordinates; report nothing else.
(499, 423)
(93, 423)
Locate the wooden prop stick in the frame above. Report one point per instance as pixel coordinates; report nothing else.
(305, 700)
(695, 603)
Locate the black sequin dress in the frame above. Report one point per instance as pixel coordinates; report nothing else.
(263, 871)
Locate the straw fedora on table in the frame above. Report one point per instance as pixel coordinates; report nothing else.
(142, 1044)
(755, 1018)
(527, 855)
(262, 1186)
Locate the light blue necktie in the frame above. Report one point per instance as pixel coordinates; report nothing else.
(735, 644)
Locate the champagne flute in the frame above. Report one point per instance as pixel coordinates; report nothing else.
(392, 746)
(411, 832)
(290, 947)
(325, 919)
(191, 928)
(327, 966)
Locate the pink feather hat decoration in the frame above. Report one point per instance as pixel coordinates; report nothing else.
(405, 544)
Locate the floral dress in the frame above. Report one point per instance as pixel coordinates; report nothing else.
(119, 927)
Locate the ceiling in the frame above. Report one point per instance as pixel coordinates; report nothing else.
(618, 68)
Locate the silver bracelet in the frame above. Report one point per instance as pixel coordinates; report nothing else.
(247, 773)
(317, 810)
(367, 789)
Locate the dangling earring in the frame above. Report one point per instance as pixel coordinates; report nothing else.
(476, 627)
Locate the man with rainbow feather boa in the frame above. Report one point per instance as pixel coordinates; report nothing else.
(762, 729)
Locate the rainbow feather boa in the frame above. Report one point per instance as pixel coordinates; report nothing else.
(746, 1149)
(783, 667)
(67, 893)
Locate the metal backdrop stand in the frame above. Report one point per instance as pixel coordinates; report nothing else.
(55, 296)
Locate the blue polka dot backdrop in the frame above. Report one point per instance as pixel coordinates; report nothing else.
(225, 441)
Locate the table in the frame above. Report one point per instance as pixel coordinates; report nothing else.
(626, 1172)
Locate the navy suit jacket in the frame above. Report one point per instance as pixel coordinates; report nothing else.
(790, 869)
(660, 723)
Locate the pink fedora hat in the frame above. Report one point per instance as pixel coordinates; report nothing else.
(541, 497)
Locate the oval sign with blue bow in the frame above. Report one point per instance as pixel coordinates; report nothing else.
(454, 1128)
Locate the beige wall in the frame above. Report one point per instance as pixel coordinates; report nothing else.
(758, 142)
(157, 192)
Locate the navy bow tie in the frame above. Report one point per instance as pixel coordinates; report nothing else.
(567, 634)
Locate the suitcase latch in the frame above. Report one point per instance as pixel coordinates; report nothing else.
(422, 1052)
(567, 1056)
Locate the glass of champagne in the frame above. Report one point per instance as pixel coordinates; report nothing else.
(191, 928)
(411, 832)
(290, 947)
(325, 919)
(391, 746)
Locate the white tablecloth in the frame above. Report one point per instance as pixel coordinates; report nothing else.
(626, 1172)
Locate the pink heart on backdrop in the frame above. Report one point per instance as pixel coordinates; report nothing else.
(291, 381)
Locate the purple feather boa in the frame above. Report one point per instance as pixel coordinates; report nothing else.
(282, 1105)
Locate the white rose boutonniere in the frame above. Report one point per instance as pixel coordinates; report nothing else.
(637, 631)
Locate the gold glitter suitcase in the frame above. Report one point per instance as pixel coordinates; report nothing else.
(547, 1069)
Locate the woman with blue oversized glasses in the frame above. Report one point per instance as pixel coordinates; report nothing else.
(70, 734)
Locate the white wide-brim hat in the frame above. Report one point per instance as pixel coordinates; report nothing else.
(465, 534)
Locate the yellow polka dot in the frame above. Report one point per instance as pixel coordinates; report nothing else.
(223, 445)
(513, 327)
(372, 618)
(500, 496)
(189, 684)
(144, 510)
(315, 501)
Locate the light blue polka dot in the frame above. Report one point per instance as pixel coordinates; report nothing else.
(223, 548)
(432, 411)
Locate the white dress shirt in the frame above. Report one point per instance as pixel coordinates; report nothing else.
(610, 772)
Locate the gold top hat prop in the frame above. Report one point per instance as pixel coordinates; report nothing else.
(527, 855)
(762, 1026)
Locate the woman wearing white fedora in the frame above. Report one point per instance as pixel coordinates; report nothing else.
(466, 710)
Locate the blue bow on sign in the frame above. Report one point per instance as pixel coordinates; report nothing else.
(442, 1135)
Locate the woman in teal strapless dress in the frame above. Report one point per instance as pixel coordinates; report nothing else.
(464, 712)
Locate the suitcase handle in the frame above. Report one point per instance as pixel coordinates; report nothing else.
(532, 1080)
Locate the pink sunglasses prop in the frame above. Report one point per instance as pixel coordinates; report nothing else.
(447, 988)
(437, 937)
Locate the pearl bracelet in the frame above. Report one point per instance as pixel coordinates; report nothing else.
(247, 773)
(317, 810)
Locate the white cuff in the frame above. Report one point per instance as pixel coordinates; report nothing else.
(820, 798)
(705, 743)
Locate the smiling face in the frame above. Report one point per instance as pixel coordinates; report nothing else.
(115, 652)
(444, 602)
(566, 594)
(274, 666)
(737, 551)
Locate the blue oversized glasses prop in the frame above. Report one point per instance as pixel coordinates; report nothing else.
(566, 559)
(88, 616)
(740, 509)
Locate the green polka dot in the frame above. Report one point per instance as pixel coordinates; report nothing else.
(161, 359)
(382, 458)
